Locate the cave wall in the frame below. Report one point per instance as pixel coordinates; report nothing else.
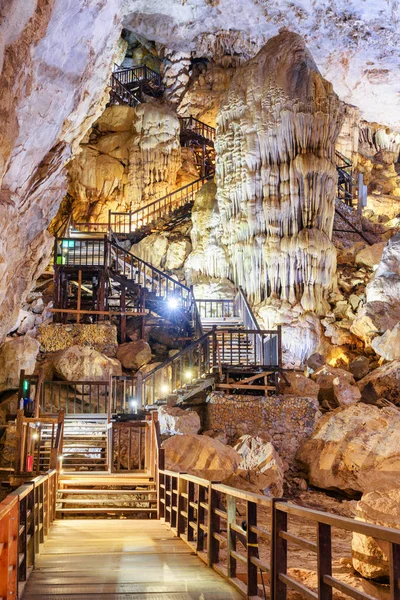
(52, 77)
(276, 176)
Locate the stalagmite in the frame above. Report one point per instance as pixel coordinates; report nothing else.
(276, 175)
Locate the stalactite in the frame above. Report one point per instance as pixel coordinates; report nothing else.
(276, 175)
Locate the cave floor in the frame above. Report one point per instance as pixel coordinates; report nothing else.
(120, 560)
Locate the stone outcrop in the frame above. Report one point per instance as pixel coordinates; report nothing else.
(134, 355)
(200, 455)
(175, 421)
(100, 336)
(276, 175)
(129, 158)
(81, 363)
(17, 354)
(261, 457)
(383, 382)
(371, 556)
(355, 449)
(336, 387)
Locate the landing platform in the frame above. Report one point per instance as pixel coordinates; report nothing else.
(121, 560)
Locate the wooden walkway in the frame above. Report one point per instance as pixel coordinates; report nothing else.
(85, 559)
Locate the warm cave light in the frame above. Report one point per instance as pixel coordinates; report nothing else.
(188, 375)
(133, 404)
(165, 388)
(35, 436)
(173, 303)
(61, 457)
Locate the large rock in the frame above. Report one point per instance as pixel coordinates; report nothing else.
(388, 345)
(385, 286)
(359, 367)
(175, 421)
(356, 449)
(298, 385)
(116, 118)
(15, 355)
(261, 457)
(134, 355)
(200, 455)
(337, 386)
(383, 382)
(371, 255)
(177, 253)
(373, 319)
(152, 249)
(370, 555)
(81, 363)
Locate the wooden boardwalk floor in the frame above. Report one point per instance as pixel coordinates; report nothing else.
(86, 559)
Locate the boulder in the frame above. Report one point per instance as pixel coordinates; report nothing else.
(200, 455)
(298, 385)
(261, 457)
(371, 255)
(383, 382)
(17, 354)
(385, 286)
(328, 378)
(27, 324)
(355, 449)
(175, 421)
(370, 555)
(359, 367)
(134, 355)
(344, 393)
(388, 345)
(81, 363)
(152, 249)
(374, 319)
(266, 483)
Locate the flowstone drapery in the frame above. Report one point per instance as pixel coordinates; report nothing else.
(276, 175)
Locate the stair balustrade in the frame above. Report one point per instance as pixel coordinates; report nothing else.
(72, 252)
(193, 125)
(125, 223)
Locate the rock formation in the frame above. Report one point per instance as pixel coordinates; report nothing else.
(276, 176)
(354, 449)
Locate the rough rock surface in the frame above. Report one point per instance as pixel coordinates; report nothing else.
(388, 345)
(383, 382)
(17, 354)
(200, 455)
(371, 255)
(79, 363)
(354, 449)
(276, 175)
(261, 457)
(175, 421)
(371, 556)
(134, 355)
(57, 336)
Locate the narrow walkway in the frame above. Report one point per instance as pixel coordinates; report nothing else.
(121, 560)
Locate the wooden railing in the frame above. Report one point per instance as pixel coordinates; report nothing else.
(129, 222)
(213, 351)
(198, 127)
(247, 537)
(25, 519)
(72, 252)
(29, 436)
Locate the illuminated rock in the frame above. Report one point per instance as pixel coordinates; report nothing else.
(17, 354)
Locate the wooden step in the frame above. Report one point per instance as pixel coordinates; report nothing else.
(102, 501)
(113, 509)
(66, 491)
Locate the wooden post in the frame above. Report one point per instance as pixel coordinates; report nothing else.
(180, 523)
(200, 517)
(279, 552)
(190, 510)
(394, 562)
(123, 314)
(213, 526)
(20, 442)
(231, 535)
(78, 304)
(324, 550)
(161, 481)
(252, 548)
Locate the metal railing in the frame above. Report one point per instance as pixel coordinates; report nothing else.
(246, 537)
(218, 308)
(193, 125)
(129, 222)
(72, 252)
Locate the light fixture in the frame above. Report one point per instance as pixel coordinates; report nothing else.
(188, 375)
(35, 436)
(165, 388)
(173, 303)
(60, 458)
(133, 404)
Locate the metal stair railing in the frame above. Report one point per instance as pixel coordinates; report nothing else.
(127, 265)
(198, 127)
(128, 222)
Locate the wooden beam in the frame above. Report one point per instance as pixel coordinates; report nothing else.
(116, 313)
(236, 385)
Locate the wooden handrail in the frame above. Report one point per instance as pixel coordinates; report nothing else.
(204, 515)
(25, 518)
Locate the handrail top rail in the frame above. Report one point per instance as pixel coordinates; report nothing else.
(160, 273)
(242, 494)
(79, 382)
(222, 300)
(134, 68)
(134, 212)
(186, 477)
(242, 294)
(8, 504)
(380, 532)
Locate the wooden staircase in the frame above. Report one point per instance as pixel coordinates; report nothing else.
(85, 443)
(113, 495)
